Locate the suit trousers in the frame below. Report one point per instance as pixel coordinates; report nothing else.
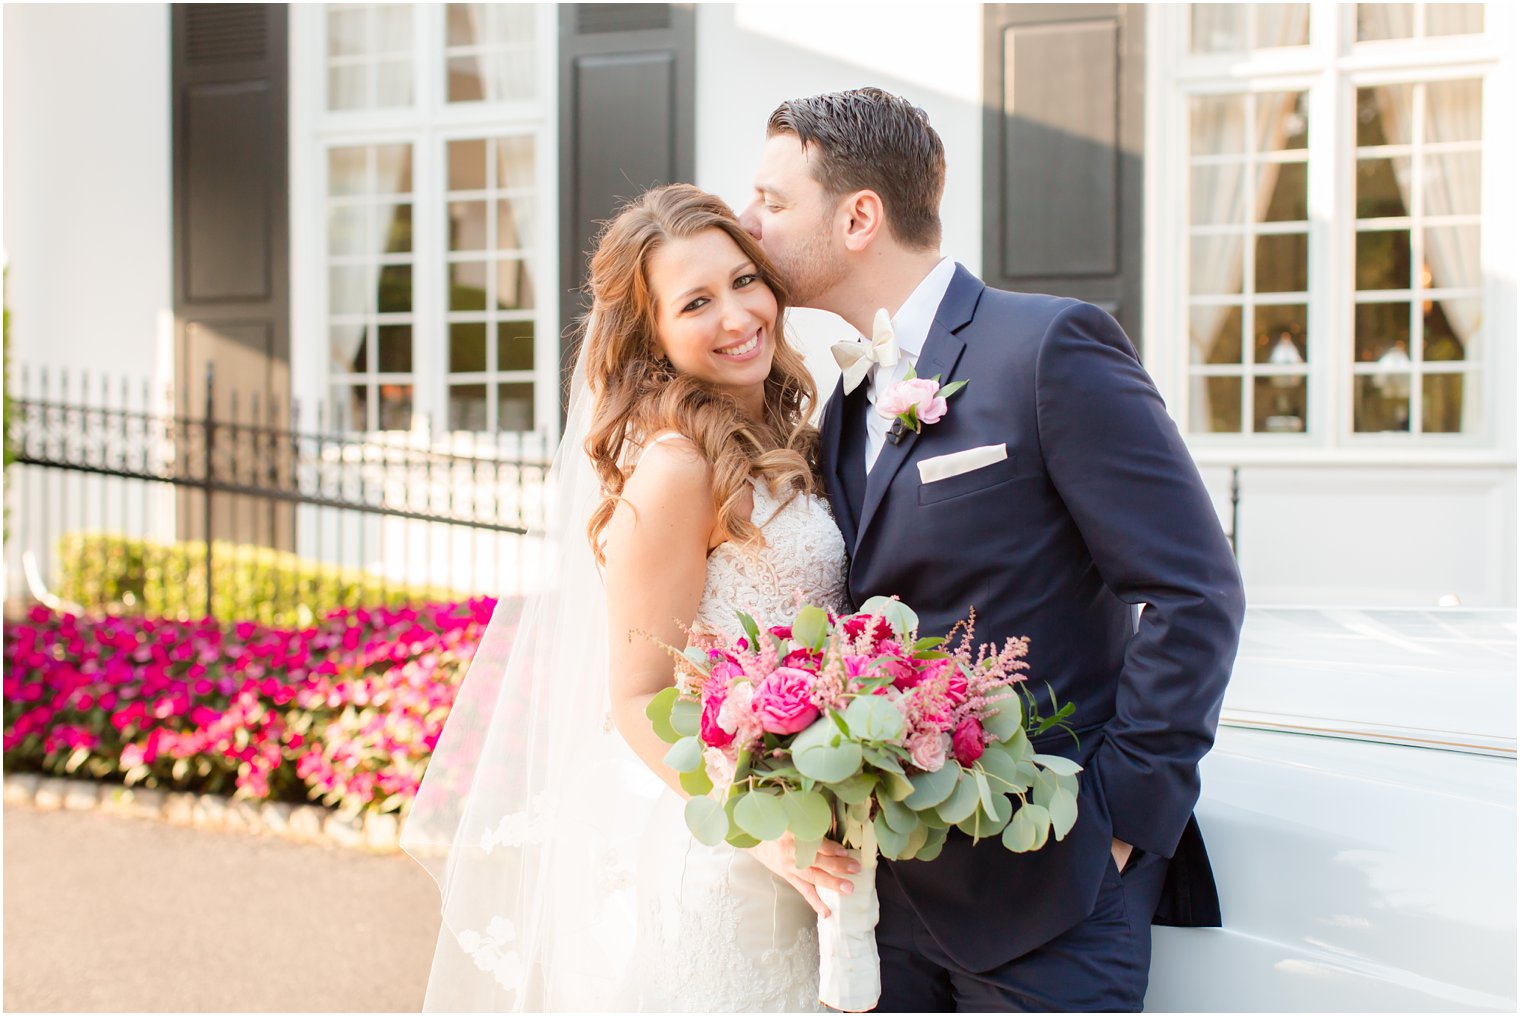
(1102, 964)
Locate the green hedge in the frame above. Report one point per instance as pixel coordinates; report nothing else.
(120, 575)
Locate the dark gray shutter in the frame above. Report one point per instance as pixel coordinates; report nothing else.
(627, 100)
(231, 240)
(1063, 152)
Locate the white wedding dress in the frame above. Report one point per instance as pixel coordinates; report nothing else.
(718, 932)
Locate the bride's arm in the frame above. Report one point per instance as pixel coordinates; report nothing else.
(656, 568)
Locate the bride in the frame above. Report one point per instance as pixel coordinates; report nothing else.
(685, 489)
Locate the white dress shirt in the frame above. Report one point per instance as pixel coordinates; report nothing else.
(911, 326)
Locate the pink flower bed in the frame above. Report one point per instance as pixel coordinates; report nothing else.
(346, 711)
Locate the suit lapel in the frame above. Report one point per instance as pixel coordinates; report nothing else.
(942, 351)
(831, 439)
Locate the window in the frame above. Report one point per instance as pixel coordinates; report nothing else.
(1333, 294)
(429, 148)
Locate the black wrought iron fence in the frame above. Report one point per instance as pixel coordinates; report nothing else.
(251, 508)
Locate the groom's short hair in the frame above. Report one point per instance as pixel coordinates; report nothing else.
(868, 139)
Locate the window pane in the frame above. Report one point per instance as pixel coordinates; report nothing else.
(1376, 22)
(1454, 110)
(1380, 187)
(393, 169)
(467, 347)
(1288, 185)
(1382, 259)
(350, 408)
(464, 79)
(467, 285)
(393, 81)
(346, 171)
(514, 224)
(514, 162)
(1215, 195)
(1384, 115)
(515, 406)
(467, 225)
(394, 224)
(514, 285)
(467, 165)
(1282, 263)
(461, 25)
(1453, 328)
(1217, 264)
(1219, 28)
(1379, 328)
(395, 349)
(346, 235)
(1452, 183)
(467, 407)
(1216, 334)
(1281, 335)
(393, 28)
(512, 24)
(514, 350)
(1282, 121)
(395, 407)
(1280, 25)
(1281, 405)
(1381, 403)
(1216, 405)
(346, 347)
(1451, 258)
(347, 87)
(346, 293)
(1218, 124)
(1441, 403)
(1453, 19)
(395, 289)
(345, 31)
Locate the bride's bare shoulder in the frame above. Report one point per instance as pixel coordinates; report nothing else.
(668, 464)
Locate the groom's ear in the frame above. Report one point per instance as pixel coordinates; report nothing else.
(864, 218)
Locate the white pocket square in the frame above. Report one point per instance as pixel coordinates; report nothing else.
(942, 467)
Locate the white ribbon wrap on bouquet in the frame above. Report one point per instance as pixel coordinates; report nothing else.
(849, 971)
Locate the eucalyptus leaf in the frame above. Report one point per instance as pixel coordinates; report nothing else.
(685, 755)
(1002, 771)
(1040, 818)
(856, 789)
(686, 717)
(828, 764)
(1020, 833)
(916, 840)
(933, 844)
(874, 718)
(1045, 787)
(1063, 813)
(1008, 718)
(898, 614)
(1018, 747)
(811, 628)
(881, 758)
(696, 783)
(807, 853)
(986, 822)
(707, 820)
(898, 817)
(1071, 784)
(740, 840)
(761, 815)
(889, 840)
(808, 814)
(930, 789)
(963, 800)
(930, 817)
(1059, 764)
(658, 712)
(897, 786)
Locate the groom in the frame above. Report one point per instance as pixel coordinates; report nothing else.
(1053, 495)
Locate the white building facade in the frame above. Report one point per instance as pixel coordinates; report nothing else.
(1311, 243)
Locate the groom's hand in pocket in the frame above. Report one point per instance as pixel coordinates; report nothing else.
(1121, 852)
(831, 868)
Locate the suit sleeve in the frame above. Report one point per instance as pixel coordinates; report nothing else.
(1129, 483)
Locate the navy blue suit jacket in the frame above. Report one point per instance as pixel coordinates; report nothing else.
(1097, 507)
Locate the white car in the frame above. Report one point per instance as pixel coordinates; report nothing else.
(1359, 811)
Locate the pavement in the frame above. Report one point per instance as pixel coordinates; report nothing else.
(106, 913)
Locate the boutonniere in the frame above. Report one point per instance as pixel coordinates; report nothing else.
(915, 401)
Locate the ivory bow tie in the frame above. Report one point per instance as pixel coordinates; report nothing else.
(856, 358)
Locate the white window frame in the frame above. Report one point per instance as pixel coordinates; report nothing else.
(428, 125)
(1330, 68)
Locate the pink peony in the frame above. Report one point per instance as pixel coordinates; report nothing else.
(712, 705)
(968, 742)
(920, 392)
(929, 750)
(784, 701)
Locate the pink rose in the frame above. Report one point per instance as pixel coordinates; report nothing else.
(905, 675)
(928, 750)
(855, 625)
(955, 686)
(968, 742)
(713, 734)
(784, 701)
(921, 393)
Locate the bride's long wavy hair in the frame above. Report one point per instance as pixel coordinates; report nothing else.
(638, 393)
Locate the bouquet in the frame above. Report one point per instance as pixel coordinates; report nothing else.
(854, 727)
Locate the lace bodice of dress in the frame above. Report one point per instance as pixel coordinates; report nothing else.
(803, 554)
